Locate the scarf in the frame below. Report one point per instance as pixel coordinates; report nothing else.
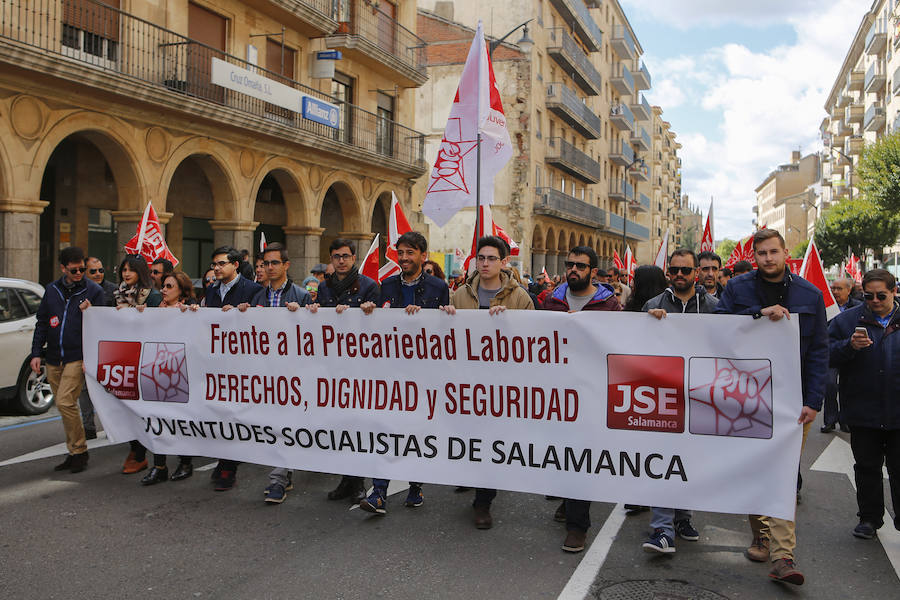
(340, 287)
(130, 295)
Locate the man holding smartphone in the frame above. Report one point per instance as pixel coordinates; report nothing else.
(865, 346)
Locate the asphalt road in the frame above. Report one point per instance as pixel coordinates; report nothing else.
(99, 534)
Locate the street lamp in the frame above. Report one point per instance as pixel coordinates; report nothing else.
(626, 204)
(525, 43)
(850, 178)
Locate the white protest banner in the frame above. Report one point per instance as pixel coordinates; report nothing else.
(694, 411)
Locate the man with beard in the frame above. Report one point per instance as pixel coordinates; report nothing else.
(496, 289)
(578, 293)
(343, 289)
(710, 263)
(412, 290)
(682, 297)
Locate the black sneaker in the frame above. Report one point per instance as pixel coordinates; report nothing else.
(685, 530)
(225, 481)
(865, 530)
(635, 509)
(350, 487)
(64, 465)
(79, 462)
(90, 434)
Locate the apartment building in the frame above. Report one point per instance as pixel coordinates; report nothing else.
(291, 118)
(582, 131)
(784, 196)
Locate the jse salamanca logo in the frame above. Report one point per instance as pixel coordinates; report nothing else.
(157, 372)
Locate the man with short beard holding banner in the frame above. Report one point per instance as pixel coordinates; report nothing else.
(578, 293)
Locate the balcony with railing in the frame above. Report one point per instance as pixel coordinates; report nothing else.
(876, 39)
(874, 119)
(634, 231)
(375, 38)
(566, 104)
(570, 159)
(620, 117)
(840, 129)
(642, 110)
(896, 84)
(843, 100)
(576, 13)
(553, 203)
(875, 77)
(642, 77)
(856, 80)
(855, 145)
(620, 190)
(568, 54)
(639, 171)
(623, 43)
(622, 80)
(897, 123)
(621, 153)
(115, 52)
(308, 16)
(640, 139)
(854, 113)
(642, 204)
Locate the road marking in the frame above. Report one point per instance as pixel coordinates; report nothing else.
(208, 467)
(56, 450)
(27, 423)
(579, 584)
(838, 458)
(393, 488)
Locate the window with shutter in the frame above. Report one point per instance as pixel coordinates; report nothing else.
(90, 31)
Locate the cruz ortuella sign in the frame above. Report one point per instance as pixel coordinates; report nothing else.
(252, 84)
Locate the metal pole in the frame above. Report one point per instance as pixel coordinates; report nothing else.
(478, 187)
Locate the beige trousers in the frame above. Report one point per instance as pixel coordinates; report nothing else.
(780, 532)
(66, 382)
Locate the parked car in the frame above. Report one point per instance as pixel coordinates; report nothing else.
(25, 391)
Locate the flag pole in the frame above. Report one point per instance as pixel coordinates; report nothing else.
(478, 186)
(140, 242)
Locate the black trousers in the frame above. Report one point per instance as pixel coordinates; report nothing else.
(159, 460)
(484, 497)
(578, 515)
(871, 449)
(832, 413)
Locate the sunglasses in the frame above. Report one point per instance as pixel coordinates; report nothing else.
(570, 264)
(76, 270)
(169, 286)
(273, 263)
(869, 296)
(429, 271)
(682, 270)
(312, 288)
(93, 271)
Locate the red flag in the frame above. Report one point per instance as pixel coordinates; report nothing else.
(617, 262)
(262, 242)
(854, 268)
(498, 231)
(397, 226)
(479, 232)
(370, 262)
(707, 244)
(149, 239)
(813, 271)
(476, 110)
(795, 264)
(545, 274)
(632, 264)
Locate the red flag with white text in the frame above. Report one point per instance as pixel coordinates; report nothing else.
(707, 244)
(148, 241)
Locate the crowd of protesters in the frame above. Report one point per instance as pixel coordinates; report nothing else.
(851, 364)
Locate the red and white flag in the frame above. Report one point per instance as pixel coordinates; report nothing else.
(662, 255)
(545, 274)
(148, 241)
(617, 262)
(813, 271)
(476, 109)
(262, 242)
(459, 255)
(484, 229)
(743, 250)
(631, 265)
(707, 244)
(370, 262)
(854, 268)
(397, 226)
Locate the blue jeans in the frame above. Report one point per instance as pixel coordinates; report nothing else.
(664, 518)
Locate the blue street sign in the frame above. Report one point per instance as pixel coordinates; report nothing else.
(321, 112)
(329, 55)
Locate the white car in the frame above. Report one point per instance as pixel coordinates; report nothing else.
(26, 392)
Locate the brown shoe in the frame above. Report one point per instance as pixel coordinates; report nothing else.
(785, 570)
(574, 541)
(133, 466)
(758, 550)
(483, 518)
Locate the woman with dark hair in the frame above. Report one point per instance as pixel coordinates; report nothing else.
(432, 268)
(209, 278)
(649, 282)
(177, 291)
(136, 290)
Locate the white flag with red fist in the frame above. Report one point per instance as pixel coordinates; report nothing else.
(476, 109)
(148, 240)
(397, 226)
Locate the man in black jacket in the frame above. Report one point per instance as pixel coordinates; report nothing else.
(831, 414)
(59, 327)
(230, 289)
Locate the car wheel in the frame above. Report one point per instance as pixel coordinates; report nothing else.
(33, 394)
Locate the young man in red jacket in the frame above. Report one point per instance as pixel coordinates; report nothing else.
(578, 293)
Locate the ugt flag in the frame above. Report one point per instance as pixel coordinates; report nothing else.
(476, 109)
(707, 244)
(397, 226)
(148, 241)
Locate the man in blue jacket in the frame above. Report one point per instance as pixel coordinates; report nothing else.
(865, 346)
(773, 292)
(412, 290)
(59, 327)
(230, 289)
(840, 289)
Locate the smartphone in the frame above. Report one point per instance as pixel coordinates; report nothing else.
(862, 330)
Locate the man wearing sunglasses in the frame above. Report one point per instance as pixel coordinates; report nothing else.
(59, 327)
(865, 346)
(840, 289)
(771, 291)
(576, 294)
(97, 274)
(159, 270)
(683, 296)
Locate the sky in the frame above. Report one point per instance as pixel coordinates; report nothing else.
(743, 85)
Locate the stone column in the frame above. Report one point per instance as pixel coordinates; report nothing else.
(20, 225)
(127, 222)
(538, 262)
(303, 248)
(237, 234)
(560, 266)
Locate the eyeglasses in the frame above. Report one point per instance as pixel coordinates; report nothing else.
(169, 286)
(491, 259)
(683, 270)
(273, 263)
(211, 280)
(571, 264)
(76, 270)
(156, 271)
(93, 271)
(218, 263)
(340, 257)
(869, 296)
